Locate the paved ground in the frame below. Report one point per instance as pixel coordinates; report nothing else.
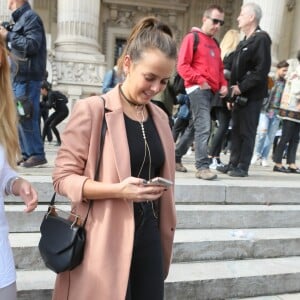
(257, 173)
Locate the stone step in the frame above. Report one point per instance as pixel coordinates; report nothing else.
(198, 281)
(237, 216)
(253, 191)
(233, 244)
(191, 245)
(37, 285)
(294, 296)
(231, 279)
(188, 216)
(191, 190)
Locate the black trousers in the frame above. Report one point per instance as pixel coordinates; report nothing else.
(223, 115)
(52, 121)
(44, 112)
(179, 127)
(244, 125)
(290, 135)
(146, 280)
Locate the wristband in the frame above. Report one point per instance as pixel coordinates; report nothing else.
(10, 184)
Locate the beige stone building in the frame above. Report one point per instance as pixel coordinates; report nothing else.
(85, 37)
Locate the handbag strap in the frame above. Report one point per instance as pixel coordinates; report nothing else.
(103, 131)
(102, 137)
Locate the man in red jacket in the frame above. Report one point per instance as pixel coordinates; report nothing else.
(202, 71)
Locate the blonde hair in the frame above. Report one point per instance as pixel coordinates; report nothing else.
(229, 42)
(8, 116)
(148, 33)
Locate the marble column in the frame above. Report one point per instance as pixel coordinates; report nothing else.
(295, 40)
(271, 22)
(78, 61)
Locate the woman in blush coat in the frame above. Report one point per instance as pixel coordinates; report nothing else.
(131, 224)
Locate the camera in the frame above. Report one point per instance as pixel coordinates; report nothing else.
(240, 100)
(8, 26)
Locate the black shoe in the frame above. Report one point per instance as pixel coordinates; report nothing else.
(238, 172)
(33, 162)
(295, 171)
(281, 169)
(225, 169)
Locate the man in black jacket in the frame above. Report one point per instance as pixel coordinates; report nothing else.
(249, 86)
(27, 43)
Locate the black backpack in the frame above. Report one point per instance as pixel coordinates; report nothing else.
(178, 85)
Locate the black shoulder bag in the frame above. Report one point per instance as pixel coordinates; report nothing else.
(62, 240)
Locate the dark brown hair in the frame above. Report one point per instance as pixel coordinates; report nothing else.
(148, 33)
(282, 64)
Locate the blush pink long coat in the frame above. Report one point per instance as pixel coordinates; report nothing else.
(104, 272)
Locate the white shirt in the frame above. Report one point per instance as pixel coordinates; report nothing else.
(7, 266)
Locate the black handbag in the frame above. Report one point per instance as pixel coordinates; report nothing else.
(63, 239)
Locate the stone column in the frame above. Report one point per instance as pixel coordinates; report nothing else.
(295, 40)
(78, 61)
(271, 21)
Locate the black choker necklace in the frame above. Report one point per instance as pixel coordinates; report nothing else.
(128, 100)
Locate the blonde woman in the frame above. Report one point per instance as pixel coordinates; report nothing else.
(220, 112)
(10, 183)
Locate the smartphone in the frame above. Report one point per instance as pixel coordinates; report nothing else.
(160, 181)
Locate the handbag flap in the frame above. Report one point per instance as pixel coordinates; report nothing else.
(58, 234)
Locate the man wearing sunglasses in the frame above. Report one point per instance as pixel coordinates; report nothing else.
(202, 71)
(249, 86)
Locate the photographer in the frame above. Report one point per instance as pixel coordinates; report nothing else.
(249, 86)
(27, 43)
(57, 101)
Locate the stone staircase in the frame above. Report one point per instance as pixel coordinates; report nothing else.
(235, 239)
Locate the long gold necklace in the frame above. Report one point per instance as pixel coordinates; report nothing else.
(141, 120)
(140, 111)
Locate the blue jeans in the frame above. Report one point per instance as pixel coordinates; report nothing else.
(266, 131)
(200, 104)
(29, 130)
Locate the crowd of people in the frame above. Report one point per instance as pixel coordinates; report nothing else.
(226, 84)
(248, 107)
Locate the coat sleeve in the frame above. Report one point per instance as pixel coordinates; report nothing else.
(185, 60)
(27, 37)
(70, 170)
(5, 170)
(261, 59)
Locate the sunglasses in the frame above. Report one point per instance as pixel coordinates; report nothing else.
(216, 21)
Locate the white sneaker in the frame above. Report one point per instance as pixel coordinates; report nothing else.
(189, 152)
(255, 159)
(264, 162)
(214, 164)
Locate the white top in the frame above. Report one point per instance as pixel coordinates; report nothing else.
(7, 266)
